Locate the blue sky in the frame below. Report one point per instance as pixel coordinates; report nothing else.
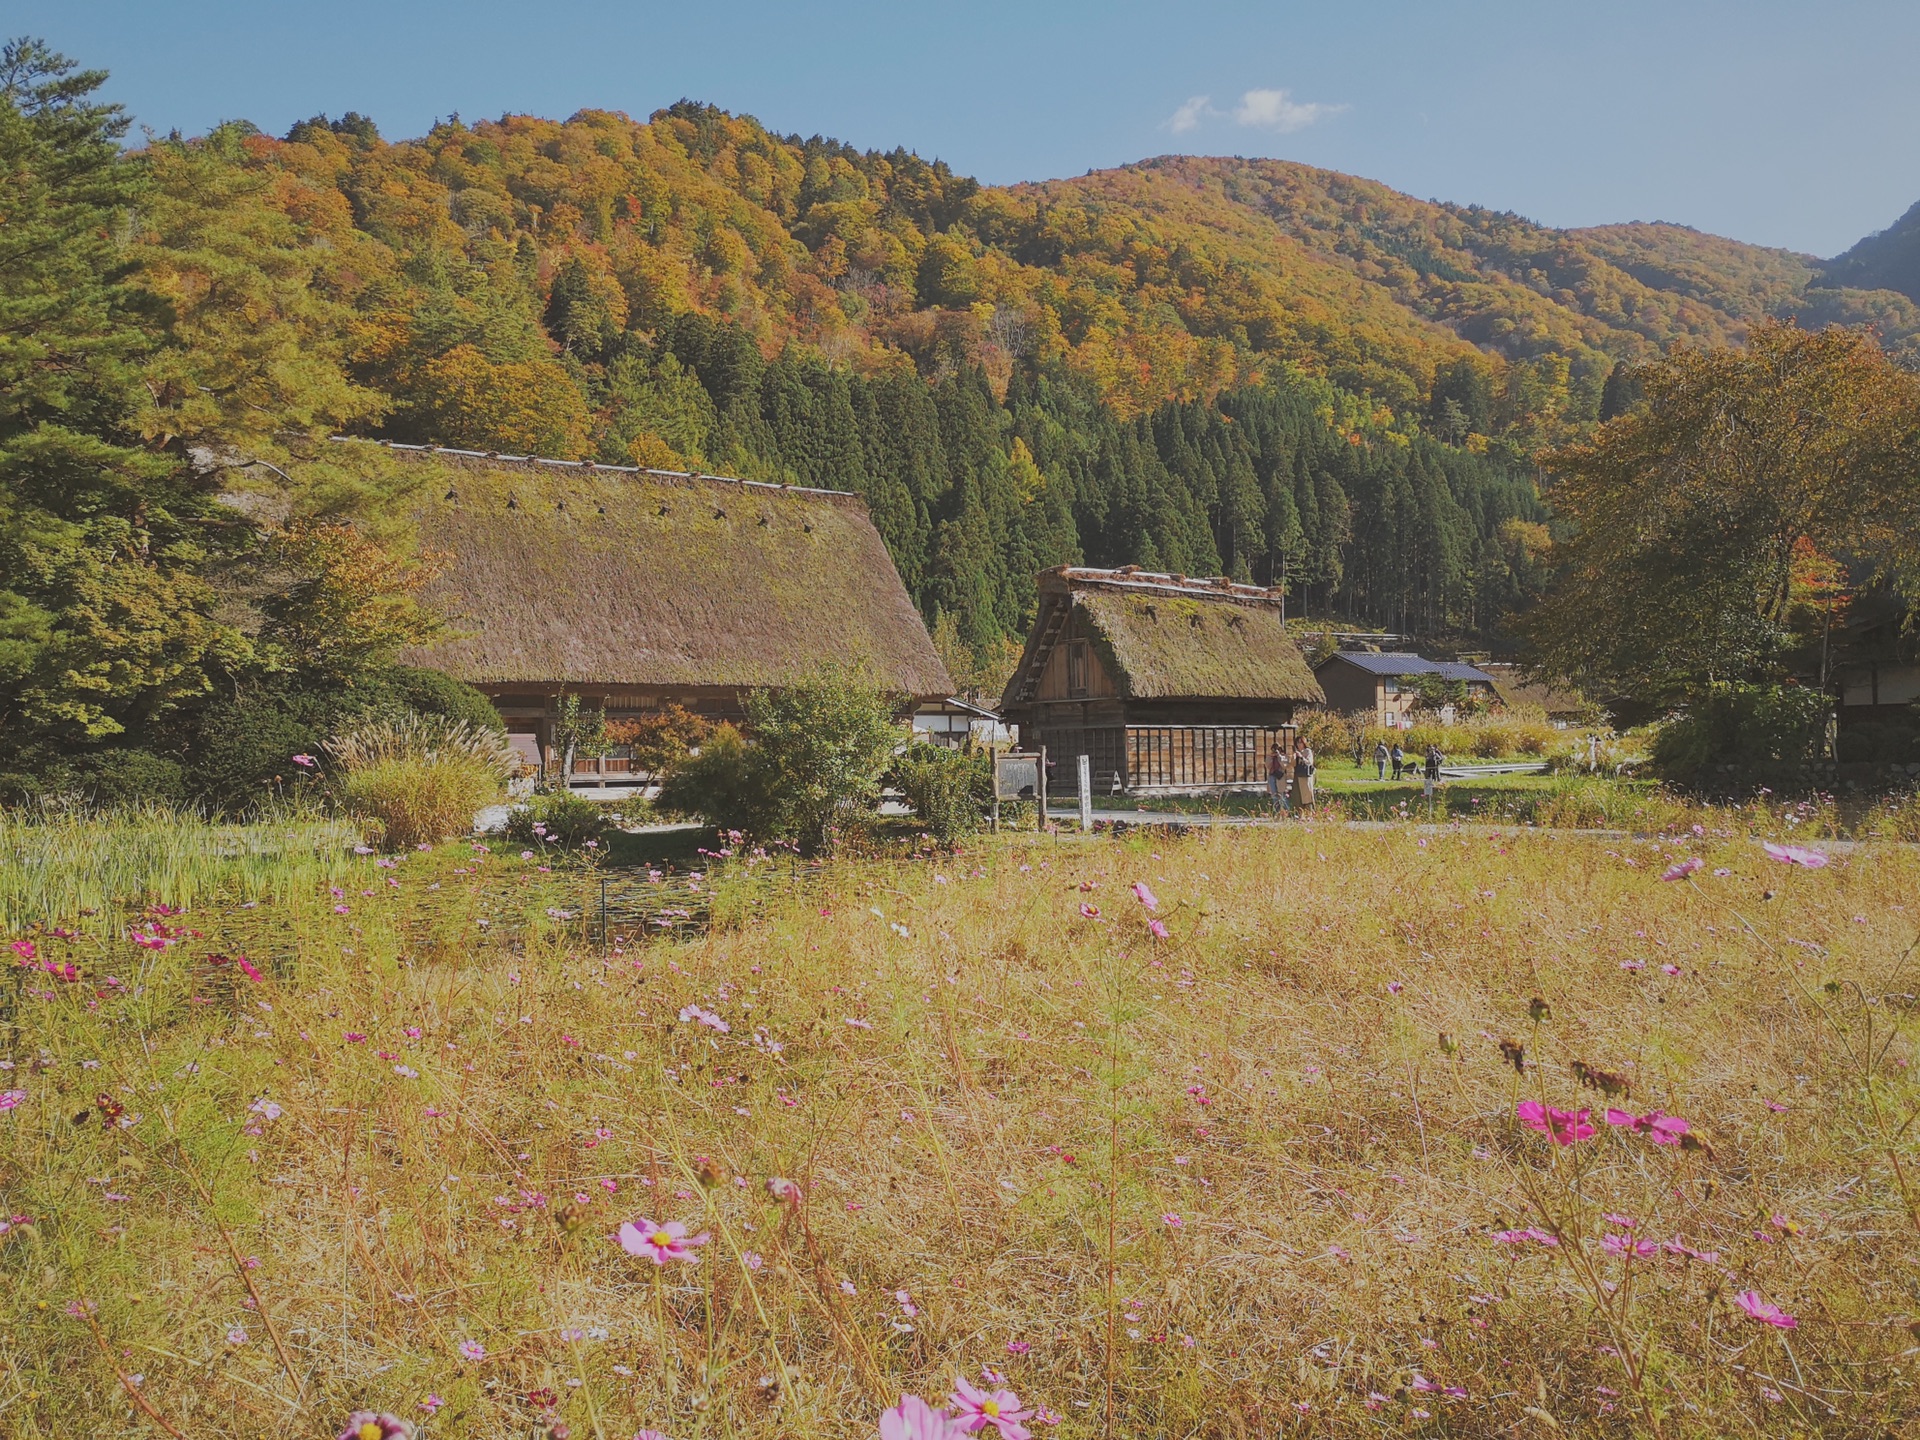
(1782, 124)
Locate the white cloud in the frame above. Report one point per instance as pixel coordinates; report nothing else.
(1191, 113)
(1276, 110)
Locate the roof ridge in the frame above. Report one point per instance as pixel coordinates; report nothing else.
(1132, 577)
(590, 466)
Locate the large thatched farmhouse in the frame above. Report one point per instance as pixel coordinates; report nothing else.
(639, 589)
(1164, 682)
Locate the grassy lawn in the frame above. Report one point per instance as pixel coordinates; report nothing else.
(1263, 1175)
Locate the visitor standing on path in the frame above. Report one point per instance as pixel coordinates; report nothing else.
(1399, 762)
(1278, 777)
(1303, 778)
(1434, 760)
(1380, 760)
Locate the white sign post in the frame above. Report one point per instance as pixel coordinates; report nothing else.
(1086, 793)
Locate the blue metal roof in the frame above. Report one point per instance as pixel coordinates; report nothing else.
(1375, 663)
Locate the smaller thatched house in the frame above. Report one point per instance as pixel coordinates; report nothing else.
(1164, 682)
(637, 589)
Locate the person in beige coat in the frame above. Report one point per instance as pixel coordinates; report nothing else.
(1303, 778)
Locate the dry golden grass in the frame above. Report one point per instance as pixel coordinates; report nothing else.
(1231, 1183)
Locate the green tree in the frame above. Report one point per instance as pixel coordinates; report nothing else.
(1687, 511)
(105, 623)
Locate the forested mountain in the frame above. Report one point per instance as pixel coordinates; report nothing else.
(1247, 366)
(1886, 260)
(1208, 365)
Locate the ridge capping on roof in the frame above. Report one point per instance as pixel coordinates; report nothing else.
(591, 466)
(1133, 578)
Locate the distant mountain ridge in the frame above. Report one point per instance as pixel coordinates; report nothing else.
(1505, 283)
(1886, 260)
(1167, 280)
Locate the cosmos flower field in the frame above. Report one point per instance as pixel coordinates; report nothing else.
(1316, 1131)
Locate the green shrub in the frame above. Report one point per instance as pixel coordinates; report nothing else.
(812, 769)
(115, 779)
(131, 779)
(1769, 734)
(948, 790)
(560, 819)
(419, 778)
(243, 746)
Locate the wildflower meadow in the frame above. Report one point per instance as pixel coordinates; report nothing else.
(1315, 1131)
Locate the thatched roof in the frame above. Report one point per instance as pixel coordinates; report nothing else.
(559, 572)
(1168, 637)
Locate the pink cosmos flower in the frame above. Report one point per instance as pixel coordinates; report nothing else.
(1796, 855)
(1394, 987)
(977, 1410)
(1158, 927)
(11, 1098)
(305, 762)
(1520, 1237)
(1565, 1126)
(1172, 1221)
(914, 1419)
(1661, 1129)
(1760, 1310)
(472, 1350)
(660, 1243)
(1625, 1245)
(1089, 912)
(1018, 1347)
(25, 950)
(375, 1425)
(1145, 896)
(1685, 868)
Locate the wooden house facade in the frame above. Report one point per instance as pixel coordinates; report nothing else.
(1165, 683)
(637, 589)
(1384, 686)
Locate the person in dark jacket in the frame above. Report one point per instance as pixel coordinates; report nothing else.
(1432, 768)
(1399, 762)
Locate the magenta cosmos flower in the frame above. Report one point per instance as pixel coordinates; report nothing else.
(914, 1419)
(1158, 927)
(1661, 1129)
(306, 762)
(1796, 855)
(660, 1243)
(1565, 1126)
(1145, 896)
(1760, 1310)
(375, 1425)
(1000, 1409)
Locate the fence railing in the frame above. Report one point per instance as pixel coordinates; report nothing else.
(1127, 758)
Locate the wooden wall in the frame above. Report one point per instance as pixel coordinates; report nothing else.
(1053, 679)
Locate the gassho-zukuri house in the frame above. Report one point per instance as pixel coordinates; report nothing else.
(639, 589)
(1163, 682)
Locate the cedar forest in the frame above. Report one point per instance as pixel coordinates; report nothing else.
(1245, 367)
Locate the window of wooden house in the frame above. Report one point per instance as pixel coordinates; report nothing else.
(1390, 687)
(1079, 662)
